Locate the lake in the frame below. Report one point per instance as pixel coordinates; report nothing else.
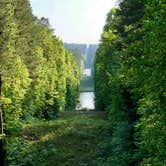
(86, 100)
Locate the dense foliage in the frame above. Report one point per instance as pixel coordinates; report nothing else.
(130, 82)
(79, 59)
(39, 77)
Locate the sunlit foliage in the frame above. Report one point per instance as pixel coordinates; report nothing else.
(129, 82)
(39, 77)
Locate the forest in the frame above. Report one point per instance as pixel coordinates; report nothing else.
(130, 82)
(40, 86)
(38, 76)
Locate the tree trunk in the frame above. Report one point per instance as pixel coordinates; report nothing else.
(2, 152)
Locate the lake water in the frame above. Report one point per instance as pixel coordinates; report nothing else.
(86, 100)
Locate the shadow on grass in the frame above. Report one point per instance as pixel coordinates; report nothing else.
(70, 140)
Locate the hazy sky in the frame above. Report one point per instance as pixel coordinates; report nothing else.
(78, 21)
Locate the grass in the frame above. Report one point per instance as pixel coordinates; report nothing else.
(71, 140)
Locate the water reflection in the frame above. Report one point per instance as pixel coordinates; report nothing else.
(86, 100)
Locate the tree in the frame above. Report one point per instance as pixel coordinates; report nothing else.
(130, 66)
(33, 73)
(10, 75)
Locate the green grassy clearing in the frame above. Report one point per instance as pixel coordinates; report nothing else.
(70, 140)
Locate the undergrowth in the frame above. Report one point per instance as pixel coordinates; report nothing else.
(76, 139)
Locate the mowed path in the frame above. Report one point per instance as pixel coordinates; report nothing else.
(71, 140)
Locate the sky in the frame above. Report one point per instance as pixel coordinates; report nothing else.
(74, 21)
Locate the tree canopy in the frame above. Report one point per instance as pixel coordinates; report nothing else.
(129, 82)
(39, 77)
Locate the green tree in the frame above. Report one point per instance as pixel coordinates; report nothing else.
(72, 82)
(13, 73)
(34, 79)
(130, 74)
(151, 86)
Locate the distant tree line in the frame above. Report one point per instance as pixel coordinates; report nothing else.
(87, 52)
(130, 70)
(38, 76)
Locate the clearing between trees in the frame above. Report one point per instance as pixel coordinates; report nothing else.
(72, 139)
